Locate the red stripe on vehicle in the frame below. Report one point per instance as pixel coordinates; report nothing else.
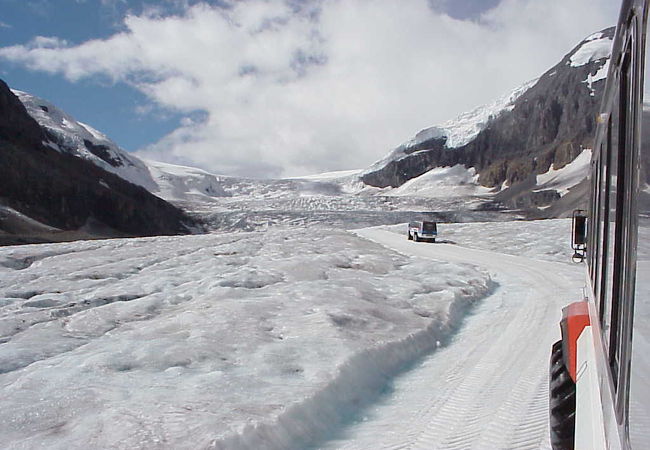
(576, 316)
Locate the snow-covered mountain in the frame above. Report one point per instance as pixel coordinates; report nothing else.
(68, 135)
(536, 129)
(48, 192)
(455, 132)
(65, 134)
(172, 182)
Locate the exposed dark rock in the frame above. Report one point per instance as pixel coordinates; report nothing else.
(67, 192)
(523, 195)
(103, 152)
(16, 125)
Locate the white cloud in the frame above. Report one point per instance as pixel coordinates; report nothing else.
(327, 85)
(112, 3)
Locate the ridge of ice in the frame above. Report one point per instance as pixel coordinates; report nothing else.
(96, 134)
(467, 126)
(237, 335)
(175, 182)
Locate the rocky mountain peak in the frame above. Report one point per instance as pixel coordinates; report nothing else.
(545, 124)
(68, 135)
(44, 188)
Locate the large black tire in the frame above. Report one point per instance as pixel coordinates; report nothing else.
(415, 237)
(562, 402)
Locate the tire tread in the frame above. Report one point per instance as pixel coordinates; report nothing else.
(562, 402)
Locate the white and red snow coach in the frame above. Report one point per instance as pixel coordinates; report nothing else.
(600, 370)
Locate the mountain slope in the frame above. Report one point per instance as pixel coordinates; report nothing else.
(540, 126)
(168, 181)
(70, 136)
(60, 190)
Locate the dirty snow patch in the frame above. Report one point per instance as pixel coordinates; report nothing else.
(565, 178)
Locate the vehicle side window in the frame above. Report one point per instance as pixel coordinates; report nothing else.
(639, 395)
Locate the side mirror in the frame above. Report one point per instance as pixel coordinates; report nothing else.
(579, 235)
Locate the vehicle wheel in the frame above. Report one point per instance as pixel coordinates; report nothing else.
(562, 402)
(415, 237)
(433, 240)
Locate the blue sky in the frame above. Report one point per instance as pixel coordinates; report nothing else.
(110, 107)
(277, 88)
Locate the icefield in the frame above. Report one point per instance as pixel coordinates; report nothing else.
(243, 340)
(286, 338)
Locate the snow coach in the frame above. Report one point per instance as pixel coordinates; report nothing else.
(422, 231)
(600, 369)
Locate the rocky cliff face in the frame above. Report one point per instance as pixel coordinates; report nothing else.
(66, 192)
(544, 125)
